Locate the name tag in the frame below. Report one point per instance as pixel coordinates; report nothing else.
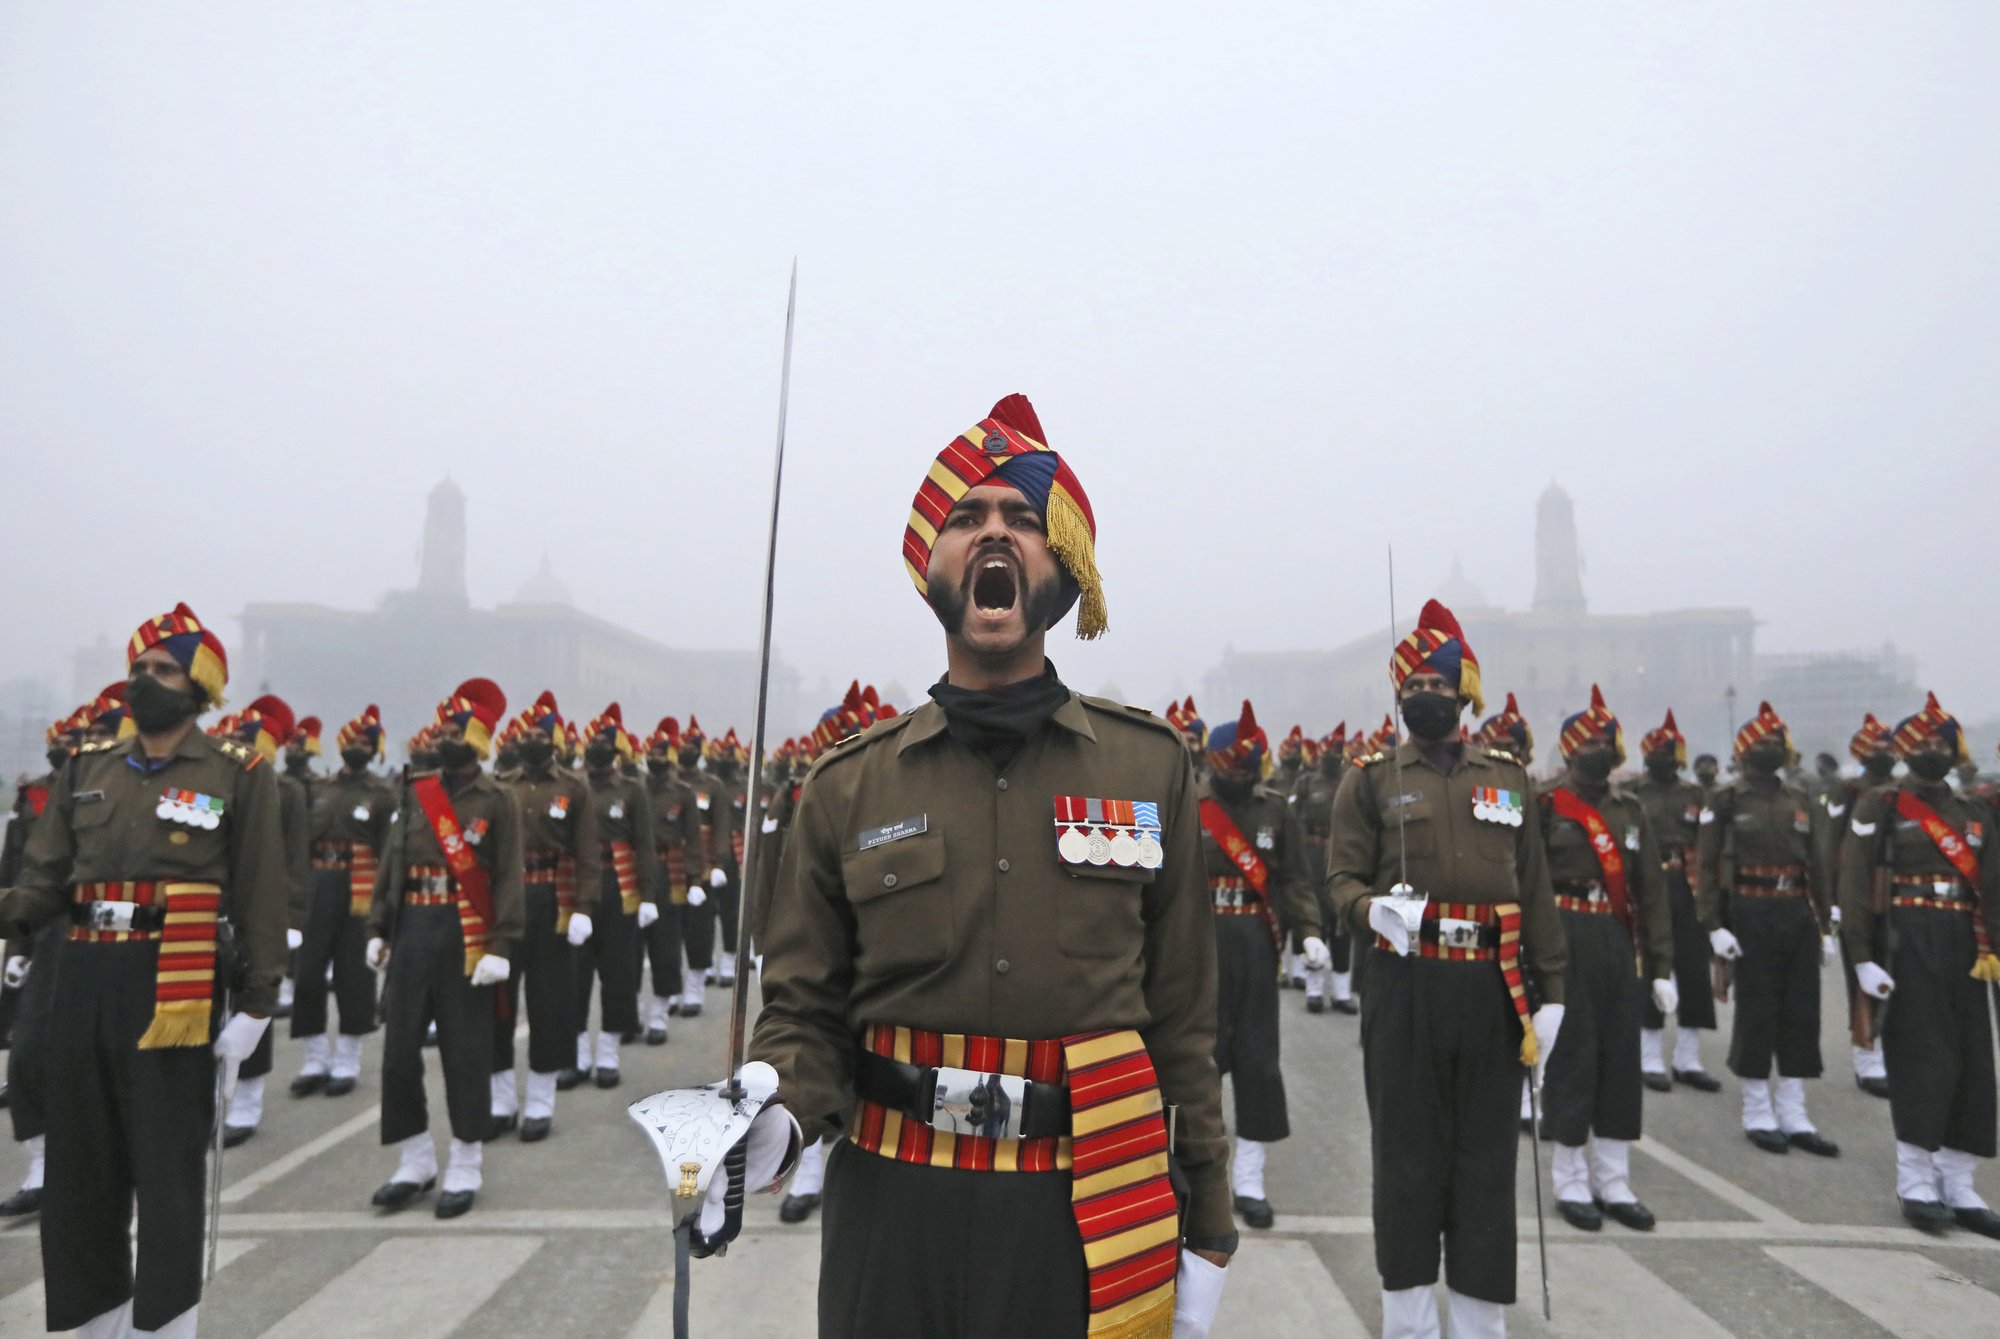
(86, 797)
(1631, 838)
(615, 811)
(893, 832)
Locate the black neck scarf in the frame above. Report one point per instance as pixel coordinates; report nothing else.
(996, 724)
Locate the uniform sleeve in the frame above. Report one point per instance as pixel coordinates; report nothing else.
(586, 850)
(16, 840)
(38, 892)
(258, 897)
(808, 971)
(1301, 906)
(1860, 857)
(1180, 988)
(1544, 947)
(510, 898)
(1354, 850)
(1708, 864)
(295, 826)
(381, 810)
(1656, 913)
(1819, 871)
(389, 886)
(641, 805)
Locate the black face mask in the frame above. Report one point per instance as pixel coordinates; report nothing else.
(599, 756)
(1705, 776)
(156, 707)
(1930, 766)
(1765, 758)
(659, 766)
(424, 760)
(1430, 716)
(1878, 765)
(356, 758)
(457, 755)
(57, 757)
(1235, 789)
(1662, 768)
(537, 752)
(1595, 765)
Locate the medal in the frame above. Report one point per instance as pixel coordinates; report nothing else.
(1100, 848)
(1149, 852)
(361, 813)
(615, 811)
(1124, 851)
(558, 811)
(1073, 846)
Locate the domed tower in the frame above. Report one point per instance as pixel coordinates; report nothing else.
(1558, 564)
(442, 571)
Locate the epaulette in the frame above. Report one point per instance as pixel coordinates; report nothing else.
(1138, 715)
(98, 746)
(1502, 754)
(240, 753)
(849, 745)
(1369, 759)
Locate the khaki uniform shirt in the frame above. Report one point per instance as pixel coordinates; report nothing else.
(1743, 825)
(676, 823)
(101, 826)
(1572, 857)
(1453, 856)
(354, 807)
(971, 923)
(542, 796)
(295, 830)
(1272, 829)
(1881, 840)
(1313, 799)
(491, 821)
(713, 825)
(625, 814)
(1673, 811)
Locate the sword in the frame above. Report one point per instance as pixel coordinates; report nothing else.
(1535, 1152)
(222, 1095)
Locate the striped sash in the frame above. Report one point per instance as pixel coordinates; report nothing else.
(624, 865)
(361, 871)
(184, 980)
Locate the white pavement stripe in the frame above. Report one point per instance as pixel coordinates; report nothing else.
(1906, 1294)
(1721, 1187)
(1791, 1230)
(1600, 1290)
(1281, 1287)
(765, 1286)
(25, 1311)
(238, 1191)
(405, 1289)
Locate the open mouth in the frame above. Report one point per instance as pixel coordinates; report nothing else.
(995, 589)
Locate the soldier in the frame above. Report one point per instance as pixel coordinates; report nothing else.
(1765, 901)
(1509, 733)
(723, 786)
(169, 825)
(1872, 748)
(1915, 880)
(265, 725)
(444, 926)
(676, 832)
(350, 834)
(561, 859)
(1606, 870)
(1446, 1025)
(1291, 761)
(300, 750)
(627, 902)
(1673, 813)
(1254, 857)
(1706, 774)
(934, 927)
(1194, 731)
(1314, 802)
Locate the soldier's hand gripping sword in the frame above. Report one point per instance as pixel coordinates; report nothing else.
(704, 1136)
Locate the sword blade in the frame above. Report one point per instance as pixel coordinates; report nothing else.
(753, 844)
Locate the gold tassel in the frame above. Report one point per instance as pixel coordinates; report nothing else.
(1155, 1322)
(1070, 541)
(628, 901)
(177, 1023)
(1531, 1050)
(473, 953)
(1987, 968)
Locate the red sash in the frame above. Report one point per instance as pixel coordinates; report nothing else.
(361, 872)
(1576, 809)
(624, 863)
(38, 798)
(1215, 820)
(1957, 851)
(475, 895)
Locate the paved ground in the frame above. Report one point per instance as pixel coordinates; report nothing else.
(569, 1237)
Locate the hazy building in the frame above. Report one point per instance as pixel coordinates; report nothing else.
(1824, 695)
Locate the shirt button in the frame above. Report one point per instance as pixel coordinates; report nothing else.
(1004, 866)
(1003, 783)
(1002, 966)
(888, 881)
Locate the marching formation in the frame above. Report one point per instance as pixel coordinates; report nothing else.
(1008, 945)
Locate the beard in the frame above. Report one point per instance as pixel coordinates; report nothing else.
(1041, 605)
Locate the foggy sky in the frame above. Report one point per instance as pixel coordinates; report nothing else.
(1286, 282)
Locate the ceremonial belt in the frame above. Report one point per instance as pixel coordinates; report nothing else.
(1235, 897)
(1115, 1153)
(674, 856)
(1771, 881)
(475, 896)
(186, 920)
(1956, 850)
(428, 886)
(358, 861)
(1215, 820)
(623, 863)
(996, 1106)
(1584, 895)
(555, 868)
(1497, 939)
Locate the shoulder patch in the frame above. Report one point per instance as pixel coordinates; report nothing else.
(98, 746)
(1137, 715)
(1501, 755)
(240, 753)
(852, 744)
(1370, 759)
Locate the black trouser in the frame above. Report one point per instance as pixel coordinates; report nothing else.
(662, 942)
(1593, 1084)
(1936, 1037)
(546, 961)
(1441, 1049)
(724, 904)
(698, 933)
(609, 956)
(27, 1059)
(1339, 942)
(1692, 956)
(1246, 1025)
(1777, 988)
(427, 983)
(333, 934)
(947, 1254)
(126, 1128)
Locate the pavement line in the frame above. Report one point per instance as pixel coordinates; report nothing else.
(765, 1284)
(1281, 1287)
(238, 1191)
(1903, 1292)
(1826, 1234)
(1599, 1290)
(25, 1310)
(408, 1290)
(1722, 1188)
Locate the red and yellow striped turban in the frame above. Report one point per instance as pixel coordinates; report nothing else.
(364, 731)
(1668, 738)
(108, 712)
(309, 731)
(1766, 724)
(1870, 739)
(1335, 743)
(1508, 731)
(1184, 718)
(476, 706)
(1916, 733)
(666, 735)
(1008, 447)
(265, 725)
(1594, 722)
(1237, 748)
(1438, 646)
(1292, 748)
(194, 648)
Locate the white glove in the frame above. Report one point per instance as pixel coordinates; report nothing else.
(580, 927)
(1666, 995)
(15, 972)
(239, 1037)
(294, 940)
(492, 969)
(1384, 921)
(1829, 949)
(1724, 945)
(695, 895)
(377, 954)
(1834, 913)
(717, 879)
(648, 913)
(1318, 955)
(770, 1146)
(1873, 980)
(1548, 1021)
(1197, 1293)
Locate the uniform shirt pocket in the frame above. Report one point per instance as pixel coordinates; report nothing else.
(1100, 915)
(1412, 824)
(902, 905)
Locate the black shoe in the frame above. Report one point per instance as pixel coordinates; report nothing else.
(1698, 1079)
(234, 1135)
(340, 1087)
(606, 1078)
(21, 1202)
(1927, 1215)
(627, 1038)
(656, 1036)
(1768, 1140)
(1658, 1082)
(454, 1203)
(1983, 1221)
(1582, 1217)
(505, 1125)
(1257, 1213)
(398, 1194)
(1349, 1006)
(5, 1097)
(281, 1011)
(1548, 1131)
(1315, 1004)
(567, 1079)
(726, 982)
(797, 1208)
(1295, 983)
(708, 977)
(690, 1011)
(1812, 1141)
(1632, 1214)
(535, 1129)
(305, 1085)
(1874, 1085)
(674, 1007)
(1527, 1125)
